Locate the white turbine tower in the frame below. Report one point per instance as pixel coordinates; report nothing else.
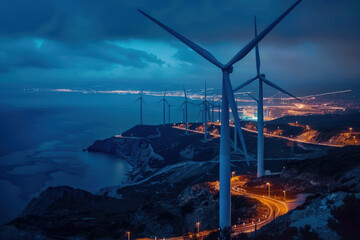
(185, 104)
(235, 137)
(206, 112)
(260, 103)
(169, 107)
(141, 99)
(163, 99)
(227, 100)
(213, 109)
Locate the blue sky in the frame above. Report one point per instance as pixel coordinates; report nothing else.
(108, 44)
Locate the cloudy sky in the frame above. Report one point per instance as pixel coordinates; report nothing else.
(108, 44)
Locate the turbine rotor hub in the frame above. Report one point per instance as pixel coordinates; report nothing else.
(229, 69)
(262, 75)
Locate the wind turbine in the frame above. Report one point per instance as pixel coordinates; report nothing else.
(227, 100)
(141, 99)
(169, 106)
(200, 113)
(260, 102)
(219, 110)
(213, 106)
(183, 113)
(163, 99)
(235, 137)
(185, 104)
(206, 112)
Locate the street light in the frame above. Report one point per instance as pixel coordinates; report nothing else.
(128, 233)
(232, 174)
(284, 195)
(268, 188)
(198, 227)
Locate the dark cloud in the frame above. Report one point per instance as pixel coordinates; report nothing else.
(23, 53)
(37, 53)
(317, 41)
(204, 20)
(119, 55)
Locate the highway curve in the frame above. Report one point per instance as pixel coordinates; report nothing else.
(276, 208)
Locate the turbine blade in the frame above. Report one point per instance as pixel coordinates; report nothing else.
(201, 51)
(271, 84)
(245, 50)
(160, 101)
(181, 106)
(233, 106)
(257, 52)
(245, 83)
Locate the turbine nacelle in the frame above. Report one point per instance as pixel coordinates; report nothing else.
(229, 69)
(262, 75)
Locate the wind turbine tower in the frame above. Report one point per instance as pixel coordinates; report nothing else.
(206, 112)
(141, 99)
(164, 106)
(169, 106)
(185, 104)
(260, 110)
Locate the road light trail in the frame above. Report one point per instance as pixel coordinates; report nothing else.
(274, 205)
(269, 136)
(292, 139)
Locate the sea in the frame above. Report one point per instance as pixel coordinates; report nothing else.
(43, 134)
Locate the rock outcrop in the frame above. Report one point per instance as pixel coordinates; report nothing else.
(137, 151)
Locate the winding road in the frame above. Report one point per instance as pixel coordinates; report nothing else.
(275, 207)
(266, 135)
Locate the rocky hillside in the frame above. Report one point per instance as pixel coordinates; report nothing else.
(330, 128)
(323, 216)
(339, 170)
(65, 212)
(148, 149)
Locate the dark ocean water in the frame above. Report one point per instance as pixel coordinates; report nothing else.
(42, 134)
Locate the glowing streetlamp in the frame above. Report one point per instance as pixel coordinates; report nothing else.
(198, 227)
(232, 174)
(128, 233)
(268, 184)
(284, 195)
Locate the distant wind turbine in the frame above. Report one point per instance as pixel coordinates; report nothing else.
(206, 112)
(141, 99)
(169, 106)
(213, 105)
(260, 101)
(227, 100)
(185, 105)
(183, 113)
(163, 99)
